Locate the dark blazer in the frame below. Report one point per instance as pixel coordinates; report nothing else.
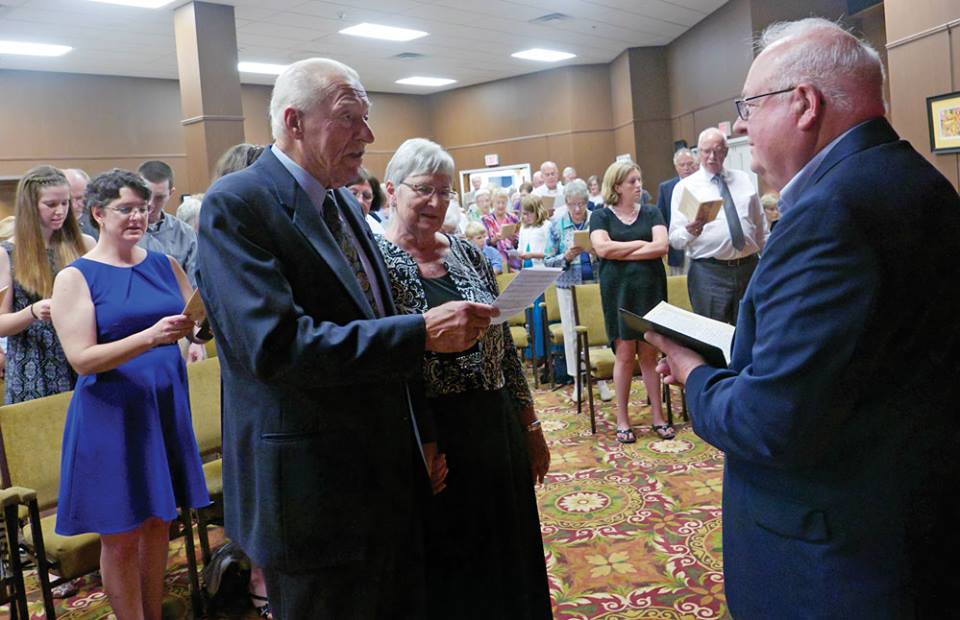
(318, 448)
(838, 413)
(664, 195)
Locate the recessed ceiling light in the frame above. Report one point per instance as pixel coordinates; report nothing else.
(388, 33)
(425, 81)
(543, 55)
(33, 49)
(260, 67)
(143, 4)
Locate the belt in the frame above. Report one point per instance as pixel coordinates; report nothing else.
(746, 260)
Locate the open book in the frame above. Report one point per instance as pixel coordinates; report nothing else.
(194, 308)
(710, 338)
(581, 239)
(696, 209)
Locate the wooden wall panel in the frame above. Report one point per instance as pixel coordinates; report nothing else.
(923, 60)
(256, 113)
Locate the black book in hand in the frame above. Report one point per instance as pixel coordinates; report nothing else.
(710, 338)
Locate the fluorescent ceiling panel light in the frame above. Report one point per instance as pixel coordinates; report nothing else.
(543, 55)
(260, 67)
(387, 33)
(142, 4)
(425, 81)
(22, 48)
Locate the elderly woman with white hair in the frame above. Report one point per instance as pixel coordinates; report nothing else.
(579, 266)
(482, 531)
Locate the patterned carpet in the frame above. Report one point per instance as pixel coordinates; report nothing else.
(630, 531)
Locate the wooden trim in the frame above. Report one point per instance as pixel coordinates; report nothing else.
(946, 27)
(203, 118)
(96, 157)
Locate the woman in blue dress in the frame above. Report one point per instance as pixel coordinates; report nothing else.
(130, 457)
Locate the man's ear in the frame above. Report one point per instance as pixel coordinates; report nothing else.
(294, 122)
(809, 106)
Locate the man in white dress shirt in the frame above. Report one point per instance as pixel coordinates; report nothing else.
(723, 253)
(551, 188)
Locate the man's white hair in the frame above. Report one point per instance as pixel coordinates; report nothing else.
(303, 85)
(706, 133)
(548, 163)
(681, 152)
(842, 66)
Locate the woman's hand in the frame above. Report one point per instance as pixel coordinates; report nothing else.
(41, 309)
(539, 455)
(170, 329)
(437, 463)
(572, 253)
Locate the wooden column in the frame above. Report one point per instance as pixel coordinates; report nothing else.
(210, 101)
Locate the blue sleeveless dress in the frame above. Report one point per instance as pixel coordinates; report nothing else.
(129, 452)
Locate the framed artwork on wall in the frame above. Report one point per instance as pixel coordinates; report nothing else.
(943, 117)
(508, 177)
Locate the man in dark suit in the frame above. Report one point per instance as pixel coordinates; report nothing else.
(838, 411)
(685, 164)
(322, 468)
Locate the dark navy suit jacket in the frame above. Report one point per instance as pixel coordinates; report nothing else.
(664, 195)
(838, 414)
(320, 468)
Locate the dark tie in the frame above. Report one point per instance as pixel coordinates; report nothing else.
(331, 216)
(730, 211)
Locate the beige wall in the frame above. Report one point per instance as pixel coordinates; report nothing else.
(923, 55)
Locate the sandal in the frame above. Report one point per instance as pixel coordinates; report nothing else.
(665, 431)
(625, 435)
(263, 611)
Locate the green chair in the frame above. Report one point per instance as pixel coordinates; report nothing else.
(552, 333)
(591, 332)
(204, 380)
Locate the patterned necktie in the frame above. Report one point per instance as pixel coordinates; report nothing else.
(730, 211)
(331, 216)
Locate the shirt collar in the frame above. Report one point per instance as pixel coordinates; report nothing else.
(792, 190)
(307, 182)
(156, 226)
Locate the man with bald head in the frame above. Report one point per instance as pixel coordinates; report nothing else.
(837, 415)
(323, 475)
(551, 188)
(78, 180)
(723, 253)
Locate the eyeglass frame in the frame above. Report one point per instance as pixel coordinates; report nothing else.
(447, 195)
(144, 211)
(743, 110)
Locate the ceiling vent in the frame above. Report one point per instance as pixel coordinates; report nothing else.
(408, 55)
(550, 18)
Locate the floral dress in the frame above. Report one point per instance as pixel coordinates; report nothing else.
(483, 531)
(36, 364)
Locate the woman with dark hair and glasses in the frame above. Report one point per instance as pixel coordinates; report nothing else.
(482, 531)
(129, 456)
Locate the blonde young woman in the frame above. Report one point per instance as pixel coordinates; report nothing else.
(630, 241)
(46, 238)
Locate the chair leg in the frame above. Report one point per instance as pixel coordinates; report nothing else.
(683, 401)
(579, 377)
(589, 375)
(18, 604)
(203, 536)
(187, 526)
(40, 557)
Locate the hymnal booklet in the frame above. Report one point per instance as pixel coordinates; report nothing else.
(710, 338)
(698, 210)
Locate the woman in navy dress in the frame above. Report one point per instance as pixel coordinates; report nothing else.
(130, 457)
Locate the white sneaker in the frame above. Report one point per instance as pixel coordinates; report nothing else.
(605, 394)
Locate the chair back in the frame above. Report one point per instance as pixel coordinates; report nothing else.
(504, 280)
(588, 311)
(31, 439)
(677, 293)
(204, 380)
(553, 306)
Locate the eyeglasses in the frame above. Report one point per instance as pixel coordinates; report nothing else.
(363, 195)
(446, 194)
(128, 211)
(743, 107)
